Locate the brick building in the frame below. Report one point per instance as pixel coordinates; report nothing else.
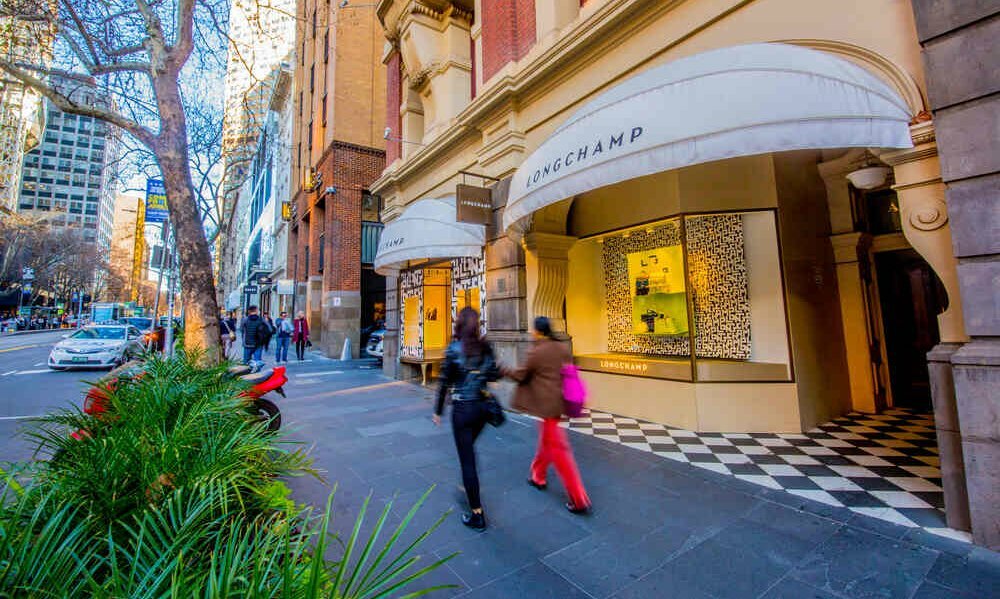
(338, 149)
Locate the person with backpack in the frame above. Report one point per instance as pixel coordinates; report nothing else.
(284, 329)
(270, 330)
(468, 366)
(540, 393)
(255, 333)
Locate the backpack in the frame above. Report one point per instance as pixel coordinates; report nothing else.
(574, 391)
(263, 332)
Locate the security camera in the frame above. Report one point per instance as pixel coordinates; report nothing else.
(388, 130)
(343, 3)
(331, 189)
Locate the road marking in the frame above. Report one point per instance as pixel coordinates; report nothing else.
(308, 374)
(21, 417)
(40, 364)
(39, 371)
(8, 372)
(18, 347)
(351, 390)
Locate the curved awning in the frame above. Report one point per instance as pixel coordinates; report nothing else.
(736, 101)
(427, 230)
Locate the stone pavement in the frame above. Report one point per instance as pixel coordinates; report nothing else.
(660, 528)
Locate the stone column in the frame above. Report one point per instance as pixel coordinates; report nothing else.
(850, 251)
(949, 436)
(546, 258)
(924, 216)
(959, 51)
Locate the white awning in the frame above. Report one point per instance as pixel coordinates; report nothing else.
(427, 230)
(736, 101)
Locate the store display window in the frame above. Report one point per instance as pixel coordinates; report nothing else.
(696, 297)
(425, 312)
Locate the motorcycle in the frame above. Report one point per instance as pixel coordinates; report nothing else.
(261, 382)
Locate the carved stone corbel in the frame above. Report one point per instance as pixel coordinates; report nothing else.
(924, 216)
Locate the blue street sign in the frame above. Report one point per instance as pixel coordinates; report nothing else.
(156, 201)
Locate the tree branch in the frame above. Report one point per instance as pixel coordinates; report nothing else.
(185, 32)
(141, 133)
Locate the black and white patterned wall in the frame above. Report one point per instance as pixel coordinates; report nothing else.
(411, 284)
(469, 273)
(717, 269)
(717, 282)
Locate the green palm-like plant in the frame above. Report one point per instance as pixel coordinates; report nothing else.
(176, 492)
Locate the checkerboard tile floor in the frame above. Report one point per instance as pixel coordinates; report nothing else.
(883, 465)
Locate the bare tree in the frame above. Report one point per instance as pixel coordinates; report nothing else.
(136, 50)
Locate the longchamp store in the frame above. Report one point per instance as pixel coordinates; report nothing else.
(438, 265)
(700, 288)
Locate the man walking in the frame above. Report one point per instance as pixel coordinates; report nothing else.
(254, 331)
(284, 333)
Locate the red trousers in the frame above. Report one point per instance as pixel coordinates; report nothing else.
(553, 448)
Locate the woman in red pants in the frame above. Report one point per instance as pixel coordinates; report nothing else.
(539, 393)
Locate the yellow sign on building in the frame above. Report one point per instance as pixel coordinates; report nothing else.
(138, 250)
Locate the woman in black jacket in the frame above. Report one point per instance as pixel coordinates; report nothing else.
(469, 365)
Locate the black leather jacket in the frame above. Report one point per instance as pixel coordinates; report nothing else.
(467, 376)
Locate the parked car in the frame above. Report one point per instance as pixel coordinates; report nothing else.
(374, 345)
(101, 346)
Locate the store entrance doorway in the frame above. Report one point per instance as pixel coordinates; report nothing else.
(911, 297)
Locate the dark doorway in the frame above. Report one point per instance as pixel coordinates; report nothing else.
(911, 297)
(372, 303)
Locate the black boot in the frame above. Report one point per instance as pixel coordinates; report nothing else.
(474, 520)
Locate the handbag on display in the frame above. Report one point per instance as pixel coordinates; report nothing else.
(574, 391)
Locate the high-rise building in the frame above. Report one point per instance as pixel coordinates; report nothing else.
(21, 115)
(261, 38)
(68, 178)
(127, 264)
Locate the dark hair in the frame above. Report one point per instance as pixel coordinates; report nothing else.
(467, 332)
(543, 326)
(251, 309)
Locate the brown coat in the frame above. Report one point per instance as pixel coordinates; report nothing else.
(539, 389)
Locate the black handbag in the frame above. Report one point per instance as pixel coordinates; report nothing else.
(494, 411)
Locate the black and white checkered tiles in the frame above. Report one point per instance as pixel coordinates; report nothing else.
(883, 465)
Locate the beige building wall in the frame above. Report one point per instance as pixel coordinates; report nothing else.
(582, 52)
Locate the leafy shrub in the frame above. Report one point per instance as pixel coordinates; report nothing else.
(175, 492)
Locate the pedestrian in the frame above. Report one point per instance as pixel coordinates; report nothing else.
(540, 393)
(269, 324)
(227, 334)
(284, 336)
(232, 322)
(300, 335)
(254, 331)
(469, 365)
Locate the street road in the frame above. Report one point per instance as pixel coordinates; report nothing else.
(28, 388)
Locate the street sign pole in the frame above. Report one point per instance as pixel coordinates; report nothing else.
(168, 337)
(159, 276)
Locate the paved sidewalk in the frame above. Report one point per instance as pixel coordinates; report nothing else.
(660, 528)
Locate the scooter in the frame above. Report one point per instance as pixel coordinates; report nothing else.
(263, 381)
(95, 402)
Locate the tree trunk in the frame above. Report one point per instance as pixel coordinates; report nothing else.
(201, 326)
